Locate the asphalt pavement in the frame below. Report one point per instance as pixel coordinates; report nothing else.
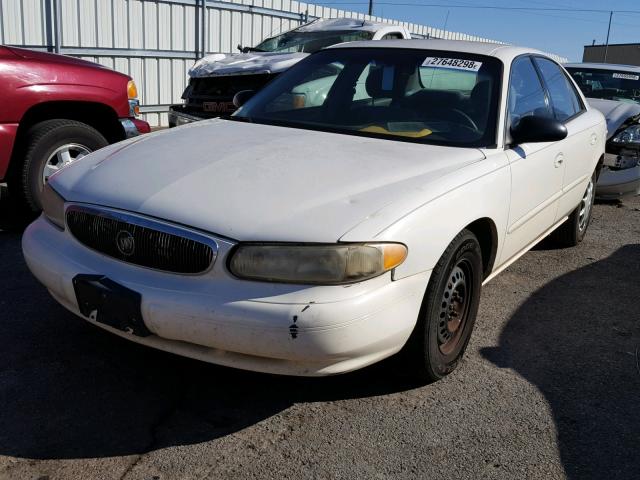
(549, 388)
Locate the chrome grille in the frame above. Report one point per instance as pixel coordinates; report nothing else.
(141, 241)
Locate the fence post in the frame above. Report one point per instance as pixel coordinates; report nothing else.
(204, 27)
(56, 19)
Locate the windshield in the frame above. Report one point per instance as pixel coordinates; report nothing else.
(427, 96)
(310, 42)
(607, 84)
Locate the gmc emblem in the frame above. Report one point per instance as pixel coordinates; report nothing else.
(219, 107)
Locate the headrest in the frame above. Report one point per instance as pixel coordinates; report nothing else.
(381, 81)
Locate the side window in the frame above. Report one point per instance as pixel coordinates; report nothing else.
(444, 79)
(564, 100)
(526, 95)
(392, 36)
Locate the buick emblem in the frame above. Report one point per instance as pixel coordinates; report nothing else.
(126, 243)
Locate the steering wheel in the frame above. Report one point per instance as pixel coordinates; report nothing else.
(467, 119)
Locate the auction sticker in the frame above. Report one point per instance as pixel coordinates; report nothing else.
(626, 76)
(455, 63)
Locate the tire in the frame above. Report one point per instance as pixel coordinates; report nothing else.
(45, 143)
(574, 229)
(434, 350)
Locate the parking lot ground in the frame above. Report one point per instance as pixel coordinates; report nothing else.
(549, 388)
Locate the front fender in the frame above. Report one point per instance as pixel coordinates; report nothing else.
(32, 95)
(434, 216)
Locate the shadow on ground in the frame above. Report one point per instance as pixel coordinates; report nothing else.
(577, 340)
(71, 390)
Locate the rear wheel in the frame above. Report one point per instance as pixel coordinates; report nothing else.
(573, 230)
(448, 311)
(49, 146)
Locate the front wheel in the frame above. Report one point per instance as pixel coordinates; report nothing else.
(50, 146)
(448, 310)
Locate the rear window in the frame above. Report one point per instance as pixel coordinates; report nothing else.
(453, 80)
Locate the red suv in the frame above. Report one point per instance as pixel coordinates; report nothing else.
(56, 109)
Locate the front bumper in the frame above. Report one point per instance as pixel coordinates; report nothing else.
(133, 127)
(615, 183)
(177, 117)
(283, 329)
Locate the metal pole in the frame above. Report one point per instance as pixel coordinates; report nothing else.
(204, 28)
(49, 24)
(57, 37)
(606, 47)
(370, 8)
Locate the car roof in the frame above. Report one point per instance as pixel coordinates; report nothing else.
(506, 53)
(345, 24)
(604, 66)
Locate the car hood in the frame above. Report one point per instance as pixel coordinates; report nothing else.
(615, 112)
(52, 57)
(257, 182)
(244, 63)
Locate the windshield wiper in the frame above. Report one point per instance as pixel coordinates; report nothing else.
(249, 49)
(237, 118)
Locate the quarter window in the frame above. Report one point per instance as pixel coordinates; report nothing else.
(526, 94)
(564, 100)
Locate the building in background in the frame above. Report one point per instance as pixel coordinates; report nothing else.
(620, 53)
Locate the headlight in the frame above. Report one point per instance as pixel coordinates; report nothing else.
(53, 206)
(132, 95)
(628, 135)
(315, 264)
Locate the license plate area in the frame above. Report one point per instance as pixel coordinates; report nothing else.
(110, 303)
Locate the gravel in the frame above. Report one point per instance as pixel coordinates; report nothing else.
(549, 388)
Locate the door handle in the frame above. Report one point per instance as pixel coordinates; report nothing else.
(559, 160)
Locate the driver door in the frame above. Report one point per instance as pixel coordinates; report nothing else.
(537, 169)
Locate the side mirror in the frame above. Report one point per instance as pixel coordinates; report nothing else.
(537, 129)
(242, 97)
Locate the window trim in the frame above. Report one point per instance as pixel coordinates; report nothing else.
(546, 86)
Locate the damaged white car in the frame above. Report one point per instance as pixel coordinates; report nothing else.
(317, 237)
(216, 78)
(615, 91)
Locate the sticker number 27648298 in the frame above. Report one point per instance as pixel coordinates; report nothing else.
(457, 63)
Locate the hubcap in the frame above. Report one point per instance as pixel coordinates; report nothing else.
(585, 207)
(62, 157)
(453, 310)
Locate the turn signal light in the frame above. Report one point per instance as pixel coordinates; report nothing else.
(132, 90)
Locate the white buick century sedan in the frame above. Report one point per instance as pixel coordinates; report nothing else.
(316, 233)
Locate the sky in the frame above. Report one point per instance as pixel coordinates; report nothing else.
(561, 32)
